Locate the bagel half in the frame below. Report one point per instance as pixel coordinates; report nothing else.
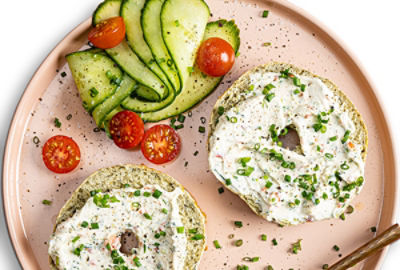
(137, 176)
(236, 94)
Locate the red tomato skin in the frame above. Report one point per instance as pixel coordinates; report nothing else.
(73, 154)
(108, 33)
(215, 57)
(127, 129)
(154, 140)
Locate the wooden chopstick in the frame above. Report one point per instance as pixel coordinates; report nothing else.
(386, 238)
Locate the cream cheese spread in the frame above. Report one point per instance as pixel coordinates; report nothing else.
(91, 238)
(290, 187)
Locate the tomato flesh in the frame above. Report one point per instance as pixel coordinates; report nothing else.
(126, 129)
(61, 154)
(161, 144)
(108, 33)
(215, 57)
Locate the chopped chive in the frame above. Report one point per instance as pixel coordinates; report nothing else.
(342, 217)
(344, 166)
(269, 97)
(251, 87)
(345, 136)
(269, 267)
(196, 153)
(332, 139)
(94, 226)
(76, 238)
(239, 242)
(328, 156)
(202, 129)
(221, 110)
(216, 244)
(268, 184)
(265, 13)
(360, 181)
(137, 262)
(325, 266)
(126, 185)
(296, 81)
(238, 224)
(176, 23)
(274, 242)
(297, 201)
(266, 44)
(157, 194)
(245, 172)
(288, 178)
(180, 229)
(57, 122)
(193, 231)
(147, 216)
(146, 194)
(257, 146)
(46, 202)
(373, 229)
(336, 248)
(164, 211)
(233, 119)
(251, 259)
(181, 118)
(296, 92)
(63, 74)
(221, 190)
(108, 246)
(180, 126)
(263, 237)
(228, 182)
(136, 193)
(197, 237)
(269, 86)
(84, 224)
(302, 87)
(296, 247)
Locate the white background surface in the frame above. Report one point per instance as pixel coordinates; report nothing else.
(31, 29)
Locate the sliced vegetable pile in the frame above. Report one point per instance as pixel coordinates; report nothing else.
(156, 58)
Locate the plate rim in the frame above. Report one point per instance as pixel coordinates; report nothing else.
(288, 6)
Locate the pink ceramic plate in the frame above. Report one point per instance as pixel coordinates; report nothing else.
(295, 38)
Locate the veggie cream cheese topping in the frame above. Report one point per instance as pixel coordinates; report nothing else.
(91, 238)
(315, 181)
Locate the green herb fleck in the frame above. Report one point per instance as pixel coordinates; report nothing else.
(216, 244)
(57, 123)
(46, 202)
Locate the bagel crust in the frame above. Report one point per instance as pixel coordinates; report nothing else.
(164, 197)
(315, 181)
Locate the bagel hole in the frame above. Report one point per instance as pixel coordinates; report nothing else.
(129, 241)
(291, 140)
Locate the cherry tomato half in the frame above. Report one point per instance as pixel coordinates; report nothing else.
(108, 33)
(161, 144)
(61, 154)
(126, 129)
(215, 57)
